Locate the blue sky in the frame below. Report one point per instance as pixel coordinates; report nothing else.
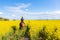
(30, 9)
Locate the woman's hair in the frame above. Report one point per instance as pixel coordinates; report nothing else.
(22, 18)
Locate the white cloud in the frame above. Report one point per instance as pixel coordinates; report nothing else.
(56, 12)
(18, 8)
(49, 13)
(22, 10)
(13, 15)
(1, 12)
(26, 9)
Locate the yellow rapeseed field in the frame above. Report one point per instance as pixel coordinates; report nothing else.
(35, 26)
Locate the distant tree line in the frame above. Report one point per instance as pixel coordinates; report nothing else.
(3, 19)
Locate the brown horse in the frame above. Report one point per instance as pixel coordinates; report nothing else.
(22, 24)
